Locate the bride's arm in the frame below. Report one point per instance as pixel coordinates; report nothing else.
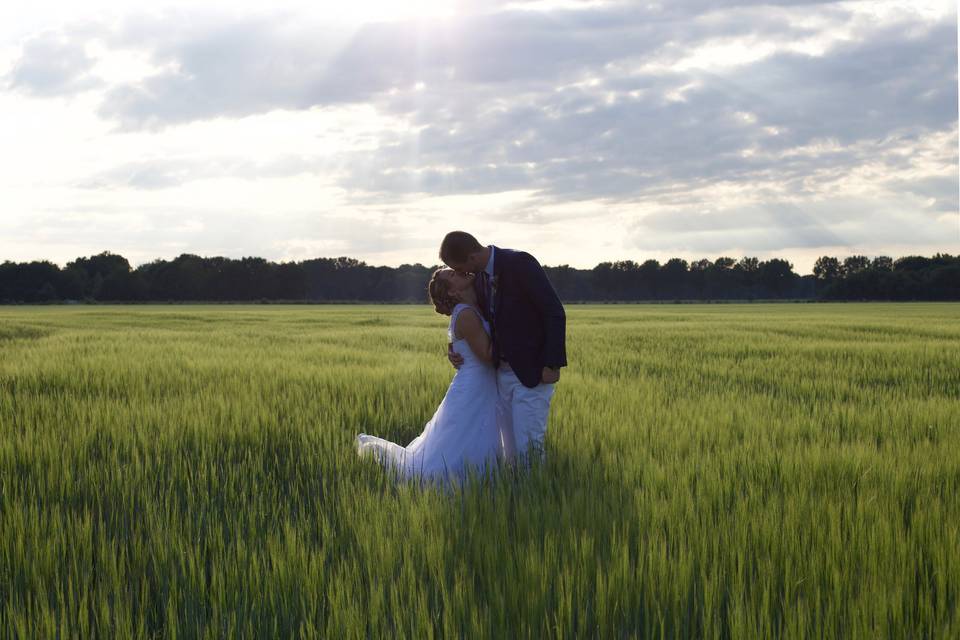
(471, 329)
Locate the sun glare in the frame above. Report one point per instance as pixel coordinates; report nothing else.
(392, 11)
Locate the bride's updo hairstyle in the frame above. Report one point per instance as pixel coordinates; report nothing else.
(439, 290)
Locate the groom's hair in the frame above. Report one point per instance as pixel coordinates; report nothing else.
(457, 247)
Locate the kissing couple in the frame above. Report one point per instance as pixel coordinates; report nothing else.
(507, 344)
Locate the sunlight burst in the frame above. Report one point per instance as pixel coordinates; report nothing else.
(389, 11)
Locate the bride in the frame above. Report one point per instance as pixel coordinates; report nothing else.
(463, 432)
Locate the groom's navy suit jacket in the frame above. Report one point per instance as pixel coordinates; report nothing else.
(529, 324)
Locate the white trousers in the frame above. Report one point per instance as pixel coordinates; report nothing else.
(521, 414)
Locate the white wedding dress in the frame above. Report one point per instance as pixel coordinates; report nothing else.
(461, 434)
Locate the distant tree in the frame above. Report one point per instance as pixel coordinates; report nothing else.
(103, 263)
(123, 287)
(289, 282)
(746, 271)
(748, 265)
(186, 277)
(352, 279)
(27, 281)
(320, 278)
(108, 277)
(7, 270)
(826, 268)
(625, 280)
(260, 277)
(410, 282)
(856, 286)
(944, 281)
(648, 276)
(674, 277)
(344, 263)
(46, 293)
(91, 272)
(854, 264)
(567, 281)
(604, 280)
(74, 283)
(911, 263)
(805, 287)
(721, 282)
(776, 276)
(883, 263)
(698, 276)
(703, 264)
(232, 281)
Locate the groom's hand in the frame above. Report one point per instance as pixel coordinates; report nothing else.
(455, 358)
(550, 376)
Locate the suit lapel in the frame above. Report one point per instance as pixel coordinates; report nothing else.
(478, 288)
(499, 256)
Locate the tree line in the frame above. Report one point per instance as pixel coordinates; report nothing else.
(109, 277)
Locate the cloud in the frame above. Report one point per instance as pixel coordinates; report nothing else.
(782, 226)
(165, 173)
(940, 193)
(153, 232)
(52, 64)
(681, 125)
(220, 65)
(782, 117)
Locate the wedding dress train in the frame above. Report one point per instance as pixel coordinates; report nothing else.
(462, 432)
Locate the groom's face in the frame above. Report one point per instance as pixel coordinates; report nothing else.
(477, 263)
(465, 267)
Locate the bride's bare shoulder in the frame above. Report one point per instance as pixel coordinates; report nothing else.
(468, 321)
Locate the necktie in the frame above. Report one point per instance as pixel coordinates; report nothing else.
(485, 299)
(483, 295)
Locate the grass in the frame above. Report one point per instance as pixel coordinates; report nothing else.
(727, 471)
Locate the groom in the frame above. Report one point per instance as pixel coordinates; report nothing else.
(528, 328)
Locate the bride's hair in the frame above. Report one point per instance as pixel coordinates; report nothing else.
(439, 290)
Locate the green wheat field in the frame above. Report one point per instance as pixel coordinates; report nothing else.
(713, 471)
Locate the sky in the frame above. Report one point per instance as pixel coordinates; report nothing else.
(581, 131)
